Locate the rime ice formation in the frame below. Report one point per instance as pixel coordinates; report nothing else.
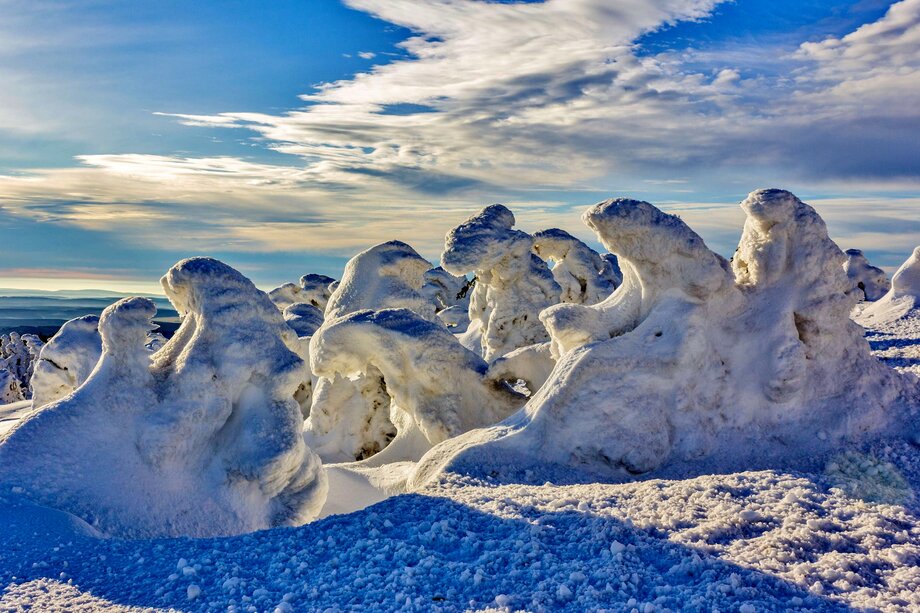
(66, 361)
(303, 317)
(512, 284)
(902, 299)
(439, 389)
(386, 276)
(202, 438)
(349, 417)
(18, 354)
(316, 289)
(872, 280)
(584, 276)
(698, 365)
(313, 289)
(531, 364)
(442, 288)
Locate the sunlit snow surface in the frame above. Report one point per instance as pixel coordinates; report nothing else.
(753, 541)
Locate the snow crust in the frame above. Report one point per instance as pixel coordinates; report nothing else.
(695, 364)
(900, 301)
(584, 276)
(66, 360)
(512, 284)
(872, 280)
(201, 438)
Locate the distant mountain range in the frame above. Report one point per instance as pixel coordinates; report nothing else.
(43, 312)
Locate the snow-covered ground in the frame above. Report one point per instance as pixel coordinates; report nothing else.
(848, 538)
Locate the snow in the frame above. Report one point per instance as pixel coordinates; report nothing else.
(901, 300)
(202, 438)
(66, 360)
(313, 289)
(872, 280)
(438, 388)
(696, 365)
(584, 276)
(768, 541)
(17, 361)
(389, 275)
(711, 435)
(303, 318)
(512, 284)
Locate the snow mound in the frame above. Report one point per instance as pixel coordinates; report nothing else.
(584, 276)
(901, 299)
(872, 280)
(442, 288)
(512, 284)
(693, 367)
(386, 276)
(67, 360)
(202, 438)
(439, 389)
(303, 317)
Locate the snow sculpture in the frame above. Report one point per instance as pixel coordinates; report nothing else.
(202, 438)
(439, 389)
(389, 275)
(695, 364)
(303, 317)
(10, 390)
(512, 284)
(67, 360)
(872, 280)
(900, 301)
(584, 276)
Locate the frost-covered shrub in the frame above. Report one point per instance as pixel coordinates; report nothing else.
(584, 276)
(872, 280)
(66, 361)
(512, 284)
(201, 438)
(902, 299)
(349, 417)
(443, 289)
(18, 354)
(694, 363)
(429, 385)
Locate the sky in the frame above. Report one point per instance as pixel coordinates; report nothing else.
(284, 137)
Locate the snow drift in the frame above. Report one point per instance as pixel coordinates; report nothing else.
(202, 438)
(512, 284)
(697, 364)
(67, 360)
(872, 280)
(902, 299)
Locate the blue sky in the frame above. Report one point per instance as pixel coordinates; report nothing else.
(284, 137)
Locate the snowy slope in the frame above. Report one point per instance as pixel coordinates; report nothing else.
(755, 541)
